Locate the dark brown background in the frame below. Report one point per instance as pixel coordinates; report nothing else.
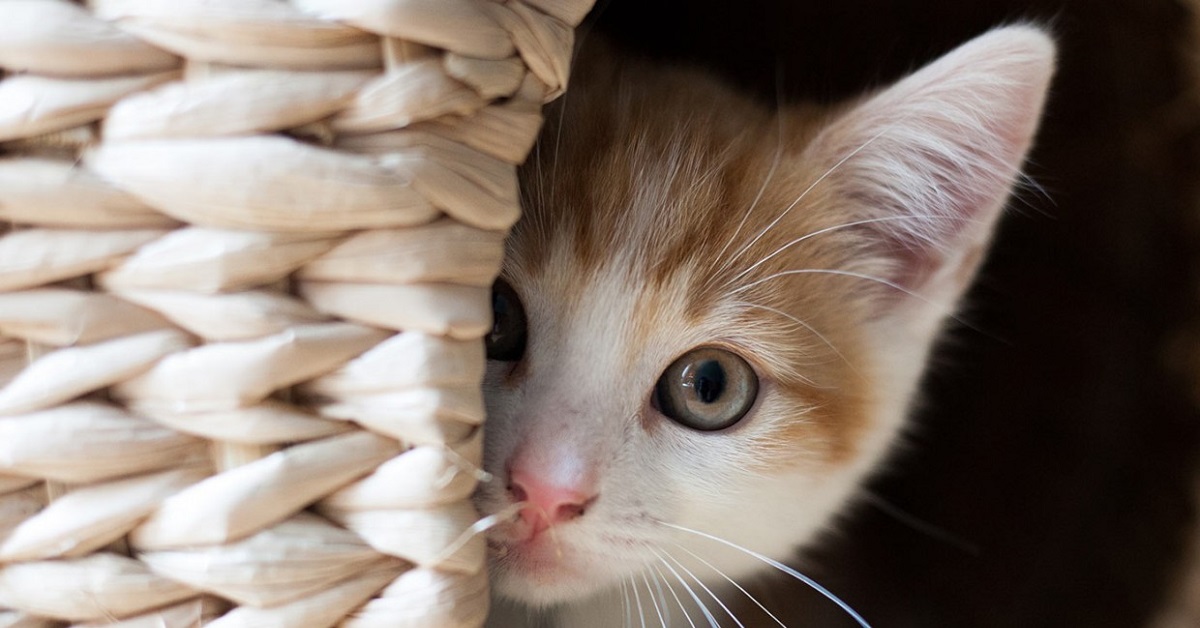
(1049, 473)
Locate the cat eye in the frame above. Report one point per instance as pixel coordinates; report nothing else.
(506, 341)
(706, 389)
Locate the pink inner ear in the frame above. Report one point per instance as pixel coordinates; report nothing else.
(936, 155)
(963, 195)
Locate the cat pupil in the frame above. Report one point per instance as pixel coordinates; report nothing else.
(710, 381)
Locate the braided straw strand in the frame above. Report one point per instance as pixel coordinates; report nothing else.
(246, 250)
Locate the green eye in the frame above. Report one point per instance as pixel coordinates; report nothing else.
(506, 341)
(706, 389)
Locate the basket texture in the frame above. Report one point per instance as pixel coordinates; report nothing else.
(245, 256)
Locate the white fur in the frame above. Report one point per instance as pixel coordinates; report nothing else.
(928, 148)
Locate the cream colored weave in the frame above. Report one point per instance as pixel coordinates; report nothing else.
(245, 256)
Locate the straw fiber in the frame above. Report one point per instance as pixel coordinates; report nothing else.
(245, 256)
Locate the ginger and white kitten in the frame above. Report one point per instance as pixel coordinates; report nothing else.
(713, 317)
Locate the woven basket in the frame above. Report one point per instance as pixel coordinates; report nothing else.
(245, 256)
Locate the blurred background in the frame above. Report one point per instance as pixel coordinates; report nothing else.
(1051, 477)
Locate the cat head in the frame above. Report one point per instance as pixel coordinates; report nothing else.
(713, 316)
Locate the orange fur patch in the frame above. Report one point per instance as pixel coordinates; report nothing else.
(676, 178)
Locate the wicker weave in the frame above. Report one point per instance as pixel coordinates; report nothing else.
(215, 215)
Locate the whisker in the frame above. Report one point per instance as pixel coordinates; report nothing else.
(658, 586)
(831, 271)
(857, 223)
(781, 567)
(624, 594)
(637, 601)
(706, 590)
(712, 621)
(675, 595)
(809, 189)
(757, 197)
(731, 581)
(805, 325)
(952, 315)
(650, 594)
(562, 114)
(539, 179)
(918, 524)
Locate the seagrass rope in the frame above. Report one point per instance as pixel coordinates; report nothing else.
(245, 256)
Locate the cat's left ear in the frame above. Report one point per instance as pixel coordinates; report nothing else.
(930, 161)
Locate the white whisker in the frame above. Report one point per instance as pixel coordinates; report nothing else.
(637, 601)
(735, 584)
(650, 593)
(879, 280)
(806, 191)
(625, 603)
(831, 271)
(562, 114)
(757, 197)
(781, 567)
(712, 621)
(806, 326)
(539, 177)
(658, 586)
(918, 524)
(706, 589)
(661, 577)
(857, 223)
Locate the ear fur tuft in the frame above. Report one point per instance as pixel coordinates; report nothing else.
(937, 153)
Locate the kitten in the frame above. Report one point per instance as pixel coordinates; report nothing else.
(713, 316)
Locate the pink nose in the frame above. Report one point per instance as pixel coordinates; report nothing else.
(546, 503)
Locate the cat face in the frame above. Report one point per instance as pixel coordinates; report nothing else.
(712, 316)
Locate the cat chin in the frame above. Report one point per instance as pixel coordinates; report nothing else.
(539, 596)
(548, 591)
(602, 610)
(542, 575)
